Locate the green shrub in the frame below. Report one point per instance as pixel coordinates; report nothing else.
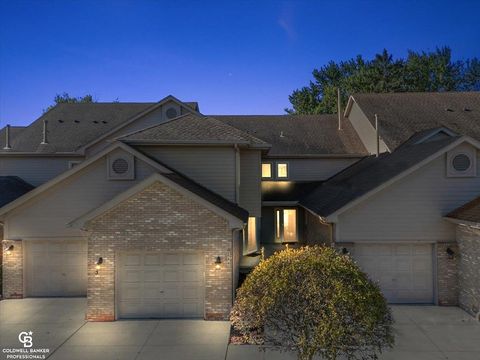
(313, 301)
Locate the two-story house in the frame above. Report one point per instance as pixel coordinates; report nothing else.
(155, 209)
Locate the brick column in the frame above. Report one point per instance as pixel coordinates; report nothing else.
(12, 270)
(447, 274)
(469, 268)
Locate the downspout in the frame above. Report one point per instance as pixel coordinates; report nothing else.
(237, 173)
(377, 135)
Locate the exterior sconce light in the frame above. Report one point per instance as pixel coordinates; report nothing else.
(450, 253)
(218, 261)
(344, 251)
(97, 265)
(8, 250)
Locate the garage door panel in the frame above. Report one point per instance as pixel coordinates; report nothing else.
(404, 272)
(152, 275)
(132, 275)
(172, 275)
(132, 260)
(192, 275)
(172, 259)
(153, 259)
(171, 285)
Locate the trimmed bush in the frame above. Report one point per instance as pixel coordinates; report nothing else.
(313, 301)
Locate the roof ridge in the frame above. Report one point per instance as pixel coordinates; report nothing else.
(152, 126)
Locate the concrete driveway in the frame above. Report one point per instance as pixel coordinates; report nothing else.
(422, 333)
(59, 325)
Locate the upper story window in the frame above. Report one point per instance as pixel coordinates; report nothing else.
(282, 170)
(266, 170)
(286, 225)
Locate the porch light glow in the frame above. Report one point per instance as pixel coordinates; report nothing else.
(97, 265)
(8, 250)
(218, 261)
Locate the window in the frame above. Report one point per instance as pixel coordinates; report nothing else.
(286, 225)
(282, 170)
(266, 170)
(251, 243)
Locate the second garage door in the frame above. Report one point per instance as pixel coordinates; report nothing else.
(160, 285)
(403, 271)
(56, 268)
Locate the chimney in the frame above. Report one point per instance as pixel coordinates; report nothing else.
(7, 138)
(377, 134)
(339, 109)
(44, 141)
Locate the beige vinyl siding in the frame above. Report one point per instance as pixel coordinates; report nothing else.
(250, 180)
(411, 209)
(47, 216)
(312, 169)
(365, 129)
(212, 167)
(35, 170)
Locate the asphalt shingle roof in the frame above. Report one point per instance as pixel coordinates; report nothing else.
(367, 174)
(12, 187)
(468, 212)
(191, 128)
(71, 126)
(401, 115)
(299, 134)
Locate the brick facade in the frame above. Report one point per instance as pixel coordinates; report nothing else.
(468, 239)
(12, 270)
(158, 219)
(447, 274)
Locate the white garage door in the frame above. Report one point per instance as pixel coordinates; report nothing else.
(403, 271)
(56, 268)
(160, 285)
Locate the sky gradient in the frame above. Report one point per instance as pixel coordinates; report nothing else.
(233, 57)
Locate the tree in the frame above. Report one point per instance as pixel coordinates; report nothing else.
(65, 98)
(419, 71)
(313, 301)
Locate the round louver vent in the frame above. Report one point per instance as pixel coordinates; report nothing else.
(120, 166)
(171, 113)
(461, 162)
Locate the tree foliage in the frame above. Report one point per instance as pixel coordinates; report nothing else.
(419, 71)
(65, 98)
(313, 301)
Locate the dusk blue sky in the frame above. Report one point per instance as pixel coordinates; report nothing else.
(233, 57)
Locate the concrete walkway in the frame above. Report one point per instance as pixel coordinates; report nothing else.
(422, 333)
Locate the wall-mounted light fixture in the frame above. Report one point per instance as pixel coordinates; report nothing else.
(344, 251)
(450, 253)
(8, 250)
(218, 261)
(97, 265)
